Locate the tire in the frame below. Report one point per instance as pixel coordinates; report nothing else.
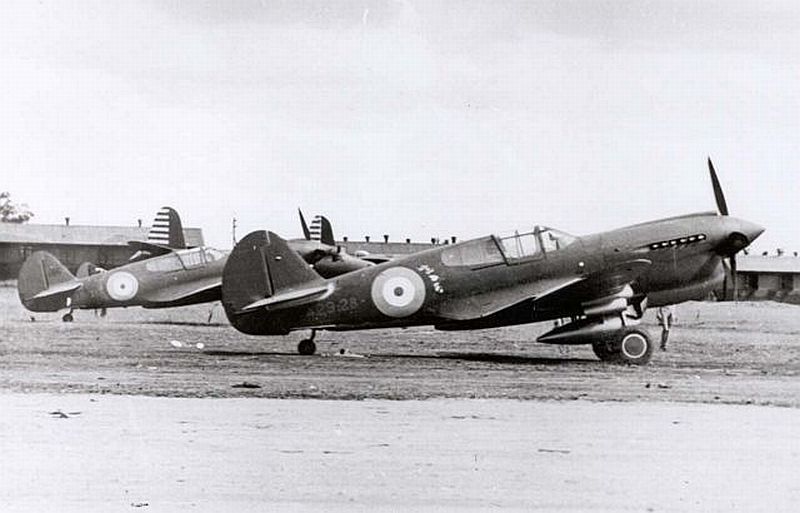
(632, 345)
(635, 346)
(67, 318)
(307, 347)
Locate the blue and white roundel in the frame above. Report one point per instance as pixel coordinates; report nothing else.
(398, 292)
(122, 286)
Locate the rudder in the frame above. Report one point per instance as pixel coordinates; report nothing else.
(167, 229)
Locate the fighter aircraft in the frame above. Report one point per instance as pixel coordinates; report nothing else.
(603, 283)
(319, 249)
(163, 272)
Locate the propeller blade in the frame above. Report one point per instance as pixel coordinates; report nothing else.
(722, 206)
(727, 270)
(306, 232)
(733, 277)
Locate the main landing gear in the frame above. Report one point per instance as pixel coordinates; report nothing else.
(631, 344)
(307, 346)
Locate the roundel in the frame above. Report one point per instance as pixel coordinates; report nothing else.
(398, 292)
(122, 286)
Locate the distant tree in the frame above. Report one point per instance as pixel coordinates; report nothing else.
(11, 213)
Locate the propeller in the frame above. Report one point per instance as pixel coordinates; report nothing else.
(722, 205)
(735, 242)
(306, 232)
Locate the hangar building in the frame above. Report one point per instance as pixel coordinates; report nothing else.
(105, 246)
(761, 277)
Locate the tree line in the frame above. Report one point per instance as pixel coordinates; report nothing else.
(10, 212)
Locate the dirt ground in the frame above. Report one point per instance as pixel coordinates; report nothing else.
(746, 353)
(128, 412)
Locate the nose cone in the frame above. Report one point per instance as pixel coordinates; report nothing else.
(750, 230)
(737, 234)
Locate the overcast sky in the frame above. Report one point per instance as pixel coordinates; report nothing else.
(415, 119)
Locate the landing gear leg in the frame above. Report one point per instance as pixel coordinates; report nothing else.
(67, 317)
(307, 346)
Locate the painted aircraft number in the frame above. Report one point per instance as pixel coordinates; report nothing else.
(326, 309)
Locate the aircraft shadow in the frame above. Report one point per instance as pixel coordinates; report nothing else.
(186, 323)
(470, 357)
(215, 352)
(502, 358)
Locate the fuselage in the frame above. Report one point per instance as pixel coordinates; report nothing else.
(436, 286)
(175, 279)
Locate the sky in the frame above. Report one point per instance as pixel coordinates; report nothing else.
(412, 119)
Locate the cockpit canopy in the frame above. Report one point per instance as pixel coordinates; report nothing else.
(184, 259)
(507, 248)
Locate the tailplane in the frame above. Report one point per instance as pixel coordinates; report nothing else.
(44, 284)
(262, 271)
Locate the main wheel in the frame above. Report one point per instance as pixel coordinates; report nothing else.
(307, 347)
(635, 346)
(632, 345)
(67, 317)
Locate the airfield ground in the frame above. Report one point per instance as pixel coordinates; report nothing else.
(126, 411)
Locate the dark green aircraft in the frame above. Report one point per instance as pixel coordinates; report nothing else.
(163, 273)
(602, 282)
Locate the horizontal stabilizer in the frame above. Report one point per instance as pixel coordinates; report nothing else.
(287, 299)
(56, 290)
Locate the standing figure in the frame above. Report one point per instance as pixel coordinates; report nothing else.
(666, 318)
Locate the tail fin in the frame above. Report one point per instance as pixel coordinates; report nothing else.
(322, 231)
(167, 229)
(44, 284)
(262, 265)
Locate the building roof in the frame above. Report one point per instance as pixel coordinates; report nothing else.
(385, 248)
(768, 264)
(83, 234)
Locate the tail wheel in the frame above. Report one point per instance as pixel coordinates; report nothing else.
(632, 345)
(307, 347)
(67, 317)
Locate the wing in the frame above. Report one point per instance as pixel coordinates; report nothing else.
(375, 259)
(185, 294)
(596, 289)
(575, 294)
